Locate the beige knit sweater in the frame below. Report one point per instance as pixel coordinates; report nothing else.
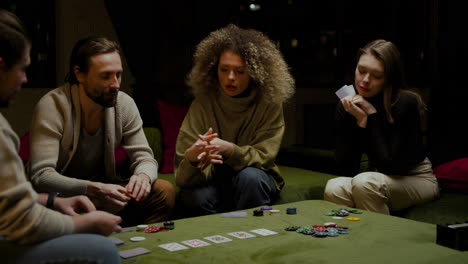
(255, 129)
(55, 132)
(22, 218)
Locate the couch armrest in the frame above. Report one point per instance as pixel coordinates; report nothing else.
(153, 135)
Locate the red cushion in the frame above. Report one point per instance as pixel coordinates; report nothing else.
(171, 117)
(120, 155)
(453, 174)
(24, 148)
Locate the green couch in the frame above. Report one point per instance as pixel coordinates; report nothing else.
(306, 180)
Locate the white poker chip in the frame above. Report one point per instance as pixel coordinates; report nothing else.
(329, 223)
(337, 217)
(137, 238)
(141, 227)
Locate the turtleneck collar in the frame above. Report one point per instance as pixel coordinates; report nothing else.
(377, 101)
(236, 104)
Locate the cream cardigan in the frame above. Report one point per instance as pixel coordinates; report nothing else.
(55, 132)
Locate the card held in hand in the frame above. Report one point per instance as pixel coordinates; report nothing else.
(345, 91)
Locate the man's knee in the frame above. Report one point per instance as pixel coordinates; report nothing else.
(164, 188)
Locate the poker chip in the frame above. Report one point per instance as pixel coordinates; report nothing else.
(337, 217)
(137, 238)
(342, 212)
(291, 228)
(154, 229)
(266, 208)
(309, 232)
(291, 210)
(141, 227)
(353, 218)
(258, 212)
(321, 234)
(274, 212)
(328, 229)
(169, 225)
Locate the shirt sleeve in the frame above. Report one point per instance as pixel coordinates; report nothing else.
(185, 173)
(348, 150)
(22, 218)
(135, 142)
(47, 131)
(263, 149)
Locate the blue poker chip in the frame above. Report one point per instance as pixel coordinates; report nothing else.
(321, 234)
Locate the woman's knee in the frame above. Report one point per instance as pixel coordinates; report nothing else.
(251, 176)
(333, 188)
(197, 198)
(367, 181)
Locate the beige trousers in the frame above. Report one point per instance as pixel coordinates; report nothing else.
(377, 192)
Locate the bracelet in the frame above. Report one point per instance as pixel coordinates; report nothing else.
(50, 199)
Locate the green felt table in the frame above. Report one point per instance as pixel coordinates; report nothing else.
(376, 238)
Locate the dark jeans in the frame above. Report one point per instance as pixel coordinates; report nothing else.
(74, 248)
(230, 191)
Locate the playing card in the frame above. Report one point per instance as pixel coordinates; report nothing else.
(345, 91)
(264, 232)
(196, 243)
(116, 241)
(133, 252)
(234, 214)
(126, 229)
(173, 246)
(241, 234)
(218, 239)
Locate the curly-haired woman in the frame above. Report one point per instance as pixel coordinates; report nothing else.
(384, 121)
(228, 142)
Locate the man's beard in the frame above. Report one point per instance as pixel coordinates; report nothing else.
(101, 100)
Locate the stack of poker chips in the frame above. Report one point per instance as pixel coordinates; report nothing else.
(274, 212)
(291, 210)
(258, 212)
(169, 225)
(331, 230)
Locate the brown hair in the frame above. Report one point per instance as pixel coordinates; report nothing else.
(394, 85)
(13, 38)
(86, 48)
(268, 71)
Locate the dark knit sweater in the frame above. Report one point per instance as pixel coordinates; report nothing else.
(392, 149)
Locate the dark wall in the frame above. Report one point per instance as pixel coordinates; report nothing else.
(319, 41)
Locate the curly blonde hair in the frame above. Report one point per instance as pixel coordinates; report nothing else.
(269, 73)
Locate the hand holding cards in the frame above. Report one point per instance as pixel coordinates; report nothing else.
(345, 91)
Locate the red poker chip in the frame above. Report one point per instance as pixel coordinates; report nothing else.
(320, 229)
(153, 229)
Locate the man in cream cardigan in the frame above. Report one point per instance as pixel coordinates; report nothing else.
(75, 130)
